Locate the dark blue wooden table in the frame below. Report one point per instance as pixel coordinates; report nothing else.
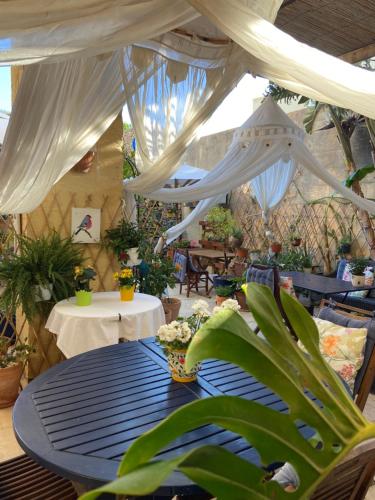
(79, 417)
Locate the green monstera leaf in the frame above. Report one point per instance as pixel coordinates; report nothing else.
(278, 362)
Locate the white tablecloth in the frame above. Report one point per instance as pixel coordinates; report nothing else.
(81, 329)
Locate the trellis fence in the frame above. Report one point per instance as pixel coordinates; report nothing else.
(320, 223)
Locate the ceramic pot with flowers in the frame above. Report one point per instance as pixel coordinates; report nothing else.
(176, 336)
(82, 278)
(126, 282)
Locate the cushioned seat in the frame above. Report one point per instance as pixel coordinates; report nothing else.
(366, 370)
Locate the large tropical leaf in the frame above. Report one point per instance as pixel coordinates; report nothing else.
(277, 361)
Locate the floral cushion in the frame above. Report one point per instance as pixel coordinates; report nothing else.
(342, 348)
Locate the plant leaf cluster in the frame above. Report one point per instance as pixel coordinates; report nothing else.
(279, 363)
(47, 261)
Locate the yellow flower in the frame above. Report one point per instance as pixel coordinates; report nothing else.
(115, 276)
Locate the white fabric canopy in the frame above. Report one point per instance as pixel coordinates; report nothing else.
(172, 85)
(169, 100)
(265, 150)
(188, 172)
(271, 185)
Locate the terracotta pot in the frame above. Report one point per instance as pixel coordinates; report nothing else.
(276, 247)
(173, 305)
(242, 253)
(9, 384)
(235, 242)
(176, 363)
(296, 242)
(168, 315)
(85, 163)
(219, 299)
(358, 280)
(241, 299)
(170, 253)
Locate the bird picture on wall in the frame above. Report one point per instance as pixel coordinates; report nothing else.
(86, 225)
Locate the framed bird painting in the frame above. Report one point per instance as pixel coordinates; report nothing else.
(86, 225)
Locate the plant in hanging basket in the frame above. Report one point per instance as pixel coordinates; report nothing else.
(345, 244)
(122, 238)
(236, 238)
(276, 247)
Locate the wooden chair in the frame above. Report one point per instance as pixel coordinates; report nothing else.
(190, 275)
(23, 479)
(350, 316)
(350, 479)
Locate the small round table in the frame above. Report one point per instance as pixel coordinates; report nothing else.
(104, 322)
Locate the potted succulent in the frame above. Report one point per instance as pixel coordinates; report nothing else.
(126, 282)
(124, 240)
(223, 293)
(236, 238)
(176, 336)
(41, 269)
(357, 268)
(345, 244)
(306, 260)
(12, 362)
(82, 277)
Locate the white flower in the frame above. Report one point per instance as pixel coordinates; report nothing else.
(231, 304)
(201, 308)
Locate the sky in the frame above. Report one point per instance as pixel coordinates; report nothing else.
(232, 112)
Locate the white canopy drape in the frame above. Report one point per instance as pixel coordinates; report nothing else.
(73, 97)
(265, 150)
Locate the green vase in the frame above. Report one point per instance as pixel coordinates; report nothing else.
(83, 298)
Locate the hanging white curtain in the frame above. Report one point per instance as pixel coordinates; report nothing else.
(168, 100)
(37, 30)
(60, 112)
(271, 186)
(332, 79)
(269, 136)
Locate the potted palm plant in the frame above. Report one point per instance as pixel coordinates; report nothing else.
(12, 362)
(357, 268)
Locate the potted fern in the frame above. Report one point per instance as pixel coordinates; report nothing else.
(39, 275)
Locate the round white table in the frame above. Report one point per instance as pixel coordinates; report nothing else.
(104, 322)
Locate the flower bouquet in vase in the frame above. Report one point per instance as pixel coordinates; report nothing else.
(82, 278)
(126, 281)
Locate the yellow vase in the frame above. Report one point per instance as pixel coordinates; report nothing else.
(127, 293)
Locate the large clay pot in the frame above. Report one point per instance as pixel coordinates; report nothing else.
(173, 305)
(9, 384)
(241, 299)
(168, 316)
(242, 253)
(219, 299)
(235, 242)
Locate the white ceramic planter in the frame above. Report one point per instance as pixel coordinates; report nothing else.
(358, 280)
(43, 293)
(133, 259)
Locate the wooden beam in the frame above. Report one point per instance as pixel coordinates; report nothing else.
(359, 54)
